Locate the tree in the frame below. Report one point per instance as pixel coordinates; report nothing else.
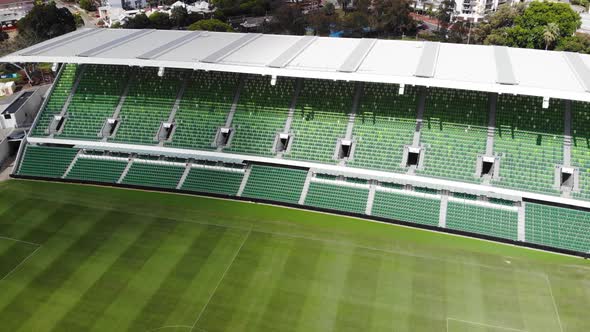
(321, 23)
(393, 17)
(160, 20)
(211, 25)
(329, 9)
(355, 23)
(494, 25)
(78, 19)
(539, 14)
(444, 16)
(550, 34)
(179, 16)
(139, 21)
(289, 20)
(45, 21)
(580, 42)
(87, 5)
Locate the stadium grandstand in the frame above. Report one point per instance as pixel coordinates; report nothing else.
(484, 141)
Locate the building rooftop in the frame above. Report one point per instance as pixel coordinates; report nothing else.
(473, 67)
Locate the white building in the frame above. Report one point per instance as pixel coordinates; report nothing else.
(13, 10)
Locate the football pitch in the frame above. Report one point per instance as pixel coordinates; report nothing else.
(83, 258)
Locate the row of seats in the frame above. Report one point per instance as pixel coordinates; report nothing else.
(402, 207)
(148, 103)
(203, 108)
(385, 122)
(336, 197)
(557, 227)
(260, 114)
(530, 142)
(528, 138)
(581, 146)
(94, 100)
(454, 132)
(45, 161)
(97, 170)
(57, 99)
(321, 117)
(482, 220)
(213, 181)
(545, 225)
(275, 183)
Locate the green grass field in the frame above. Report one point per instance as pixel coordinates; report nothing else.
(82, 258)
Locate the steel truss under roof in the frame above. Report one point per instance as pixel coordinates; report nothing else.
(499, 69)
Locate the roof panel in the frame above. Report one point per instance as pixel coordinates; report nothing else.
(261, 51)
(88, 43)
(142, 45)
(201, 47)
(541, 69)
(455, 62)
(324, 54)
(392, 57)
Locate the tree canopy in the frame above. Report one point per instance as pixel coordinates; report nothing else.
(210, 25)
(541, 25)
(46, 21)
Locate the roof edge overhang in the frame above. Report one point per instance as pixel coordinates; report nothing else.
(315, 74)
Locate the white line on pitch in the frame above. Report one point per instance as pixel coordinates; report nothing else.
(482, 324)
(21, 241)
(221, 279)
(554, 303)
(21, 263)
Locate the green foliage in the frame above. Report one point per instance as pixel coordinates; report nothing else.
(393, 16)
(541, 25)
(78, 19)
(179, 16)
(540, 14)
(289, 20)
(87, 5)
(160, 20)
(46, 21)
(242, 7)
(210, 25)
(139, 21)
(354, 23)
(580, 42)
(320, 22)
(329, 9)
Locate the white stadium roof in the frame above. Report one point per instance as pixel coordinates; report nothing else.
(498, 69)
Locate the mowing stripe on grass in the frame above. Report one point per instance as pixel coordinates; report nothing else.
(294, 284)
(92, 304)
(221, 279)
(358, 299)
(146, 280)
(269, 273)
(60, 303)
(49, 280)
(156, 310)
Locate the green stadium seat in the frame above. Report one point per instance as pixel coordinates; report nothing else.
(530, 141)
(260, 114)
(57, 99)
(320, 120)
(275, 183)
(203, 108)
(45, 161)
(385, 122)
(94, 101)
(454, 132)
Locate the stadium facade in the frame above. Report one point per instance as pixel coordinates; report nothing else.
(486, 141)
